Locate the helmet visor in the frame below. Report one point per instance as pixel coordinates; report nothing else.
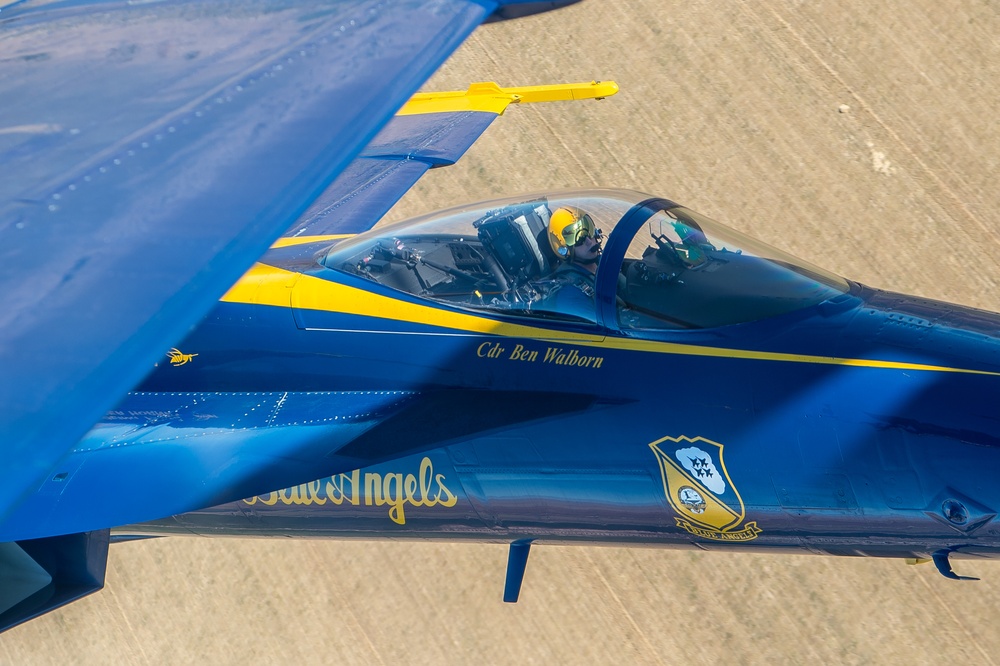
(579, 231)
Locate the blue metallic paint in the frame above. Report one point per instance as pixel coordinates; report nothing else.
(388, 167)
(398, 428)
(827, 457)
(165, 145)
(151, 151)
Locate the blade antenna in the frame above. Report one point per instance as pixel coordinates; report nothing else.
(944, 565)
(517, 560)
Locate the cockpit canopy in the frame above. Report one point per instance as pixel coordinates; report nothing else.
(663, 266)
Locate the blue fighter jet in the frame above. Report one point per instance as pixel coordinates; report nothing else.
(714, 393)
(588, 366)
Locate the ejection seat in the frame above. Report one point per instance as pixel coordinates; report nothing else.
(517, 237)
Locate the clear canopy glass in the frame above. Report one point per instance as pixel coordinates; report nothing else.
(673, 267)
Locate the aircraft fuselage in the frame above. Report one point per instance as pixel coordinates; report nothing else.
(419, 383)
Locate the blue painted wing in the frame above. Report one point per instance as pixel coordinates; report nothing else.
(388, 167)
(149, 153)
(165, 451)
(432, 130)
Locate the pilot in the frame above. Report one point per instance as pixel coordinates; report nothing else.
(576, 241)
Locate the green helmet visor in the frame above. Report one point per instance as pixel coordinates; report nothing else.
(578, 231)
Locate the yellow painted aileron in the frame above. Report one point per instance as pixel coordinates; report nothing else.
(302, 240)
(491, 98)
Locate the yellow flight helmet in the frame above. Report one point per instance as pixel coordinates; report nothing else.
(569, 226)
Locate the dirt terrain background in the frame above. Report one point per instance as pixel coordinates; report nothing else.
(861, 136)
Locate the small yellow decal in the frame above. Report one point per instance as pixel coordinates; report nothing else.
(179, 358)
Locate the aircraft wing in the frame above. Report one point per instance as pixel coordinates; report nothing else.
(171, 452)
(150, 152)
(431, 130)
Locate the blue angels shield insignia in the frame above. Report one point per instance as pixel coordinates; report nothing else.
(699, 489)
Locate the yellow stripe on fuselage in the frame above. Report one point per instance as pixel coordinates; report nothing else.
(268, 285)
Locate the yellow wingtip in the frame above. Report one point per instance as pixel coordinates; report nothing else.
(489, 97)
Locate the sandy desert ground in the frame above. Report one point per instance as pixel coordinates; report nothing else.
(861, 136)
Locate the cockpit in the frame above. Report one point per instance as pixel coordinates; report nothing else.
(661, 266)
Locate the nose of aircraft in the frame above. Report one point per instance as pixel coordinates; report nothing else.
(937, 443)
(928, 331)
